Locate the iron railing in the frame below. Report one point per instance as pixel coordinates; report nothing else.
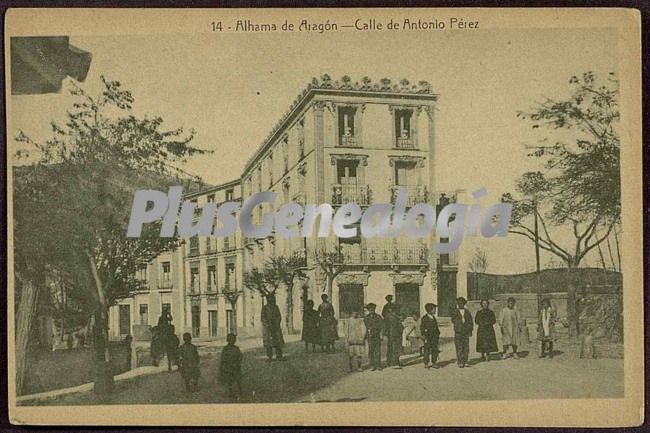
(359, 194)
(416, 194)
(384, 253)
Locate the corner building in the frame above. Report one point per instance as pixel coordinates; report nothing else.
(340, 142)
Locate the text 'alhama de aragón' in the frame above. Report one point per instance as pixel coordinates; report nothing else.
(302, 26)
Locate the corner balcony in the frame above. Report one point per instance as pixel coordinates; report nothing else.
(385, 253)
(359, 194)
(416, 194)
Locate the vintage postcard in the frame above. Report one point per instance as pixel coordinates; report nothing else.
(324, 217)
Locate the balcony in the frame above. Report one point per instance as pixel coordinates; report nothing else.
(229, 243)
(359, 194)
(141, 286)
(405, 143)
(349, 141)
(449, 260)
(416, 194)
(165, 285)
(385, 253)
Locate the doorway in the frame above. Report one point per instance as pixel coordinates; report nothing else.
(214, 325)
(125, 319)
(407, 296)
(446, 293)
(196, 320)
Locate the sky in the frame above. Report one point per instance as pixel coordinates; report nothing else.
(232, 88)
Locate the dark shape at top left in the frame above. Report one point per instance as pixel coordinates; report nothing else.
(40, 64)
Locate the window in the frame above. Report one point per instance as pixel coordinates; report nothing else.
(405, 173)
(230, 194)
(346, 172)
(301, 137)
(194, 279)
(212, 276)
(141, 274)
(167, 307)
(230, 283)
(346, 125)
(210, 198)
(404, 128)
(194, 245)
(144, 314)
(285, 153)
(167, 271)
(350, 299)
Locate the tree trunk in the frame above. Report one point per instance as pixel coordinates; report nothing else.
(572, 306)
(103, 381)
(330, 284)
(24, 320)
(289, 318)
(103, 369)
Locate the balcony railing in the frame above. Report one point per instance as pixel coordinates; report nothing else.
(359, 194)
(349, 141)
(405, 143)
(165, 284)
(385, 254)
(416, 194)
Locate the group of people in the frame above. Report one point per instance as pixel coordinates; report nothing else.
(364, 336)
(404, 334)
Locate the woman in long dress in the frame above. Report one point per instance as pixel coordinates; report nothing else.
(511, 328)
(486, 339)
(310, 331)
(327, 324)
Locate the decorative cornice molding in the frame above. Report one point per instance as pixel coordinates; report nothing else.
(361, 158)
(409, 158)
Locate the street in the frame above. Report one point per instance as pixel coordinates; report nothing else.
(319, 377)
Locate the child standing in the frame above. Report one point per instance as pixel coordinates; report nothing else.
(546, 328)
(188, 362)
(512, 326)
(355, 337)
(230, 367)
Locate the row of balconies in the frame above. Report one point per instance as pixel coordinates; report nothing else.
(404, 142)
(387, 253)
(362, 194)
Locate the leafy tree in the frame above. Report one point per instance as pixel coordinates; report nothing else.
(284, 270)
(479, 261)
(582, 185)
(331, 263)
(580, 188)
(81, 186)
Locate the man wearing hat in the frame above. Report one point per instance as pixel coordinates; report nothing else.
(463, 327)
(374, 324)
(387, 306)
(430, 334)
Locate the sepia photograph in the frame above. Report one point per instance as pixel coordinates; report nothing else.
(324, 217)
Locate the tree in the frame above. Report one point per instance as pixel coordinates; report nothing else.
(82, 184)
(331, 263)
(581, 187)
(479, 262)
(284, 270)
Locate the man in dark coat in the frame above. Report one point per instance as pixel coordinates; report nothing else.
(387, 305)
(393, 331)
(463, 327)
(271, 330)
(374, 324)
(230, 367)
(310, 329)
(188, 361)
(430, 336)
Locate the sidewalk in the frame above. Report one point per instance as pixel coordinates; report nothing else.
(204, 347)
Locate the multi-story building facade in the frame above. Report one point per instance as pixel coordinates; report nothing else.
(339, 142)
